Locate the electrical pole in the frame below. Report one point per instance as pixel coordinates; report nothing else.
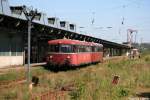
(130, 36)
(141, 44)
(30, 15)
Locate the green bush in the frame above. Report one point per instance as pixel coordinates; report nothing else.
(10, 76)
(76, 94)
(12, 95)
(147, 59)
(122, 92)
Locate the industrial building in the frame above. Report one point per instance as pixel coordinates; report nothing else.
(13, 36)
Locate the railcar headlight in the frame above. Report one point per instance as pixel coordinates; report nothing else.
(68, 57)
(51, 57)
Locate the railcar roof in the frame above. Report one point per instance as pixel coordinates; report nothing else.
(69, 41)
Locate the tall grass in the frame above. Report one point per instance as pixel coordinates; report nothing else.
(93, 82)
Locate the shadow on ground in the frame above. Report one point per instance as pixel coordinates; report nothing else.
(144, 94)
(65, 68)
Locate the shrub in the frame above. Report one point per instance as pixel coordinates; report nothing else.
(76, 94)
(122, 92)
(10, 95)
(147, 59)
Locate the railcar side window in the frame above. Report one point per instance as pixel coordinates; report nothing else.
(93, 48)
(88, 49)
(97, 49)
(100, 49)
(75, 48)
(82, 48)
(65, 48)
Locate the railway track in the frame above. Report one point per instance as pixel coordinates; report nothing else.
(2, 70)
(8, 84)
(11, 83)
(50, 95)
(21, 67)
(54, 94)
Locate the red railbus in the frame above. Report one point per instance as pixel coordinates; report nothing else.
(66, 52)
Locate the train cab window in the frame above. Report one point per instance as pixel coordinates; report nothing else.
(54, 48)
(65, 48)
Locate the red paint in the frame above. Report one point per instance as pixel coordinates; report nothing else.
(74, 59)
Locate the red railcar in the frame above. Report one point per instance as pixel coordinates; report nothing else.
(73, 52)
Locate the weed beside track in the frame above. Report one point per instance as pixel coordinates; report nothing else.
(89, 83)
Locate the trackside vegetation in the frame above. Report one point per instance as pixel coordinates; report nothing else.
(93, 82)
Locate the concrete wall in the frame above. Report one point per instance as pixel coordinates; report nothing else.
(7, 61)
(11, 49)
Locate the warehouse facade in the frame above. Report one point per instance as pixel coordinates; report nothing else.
(13, 36)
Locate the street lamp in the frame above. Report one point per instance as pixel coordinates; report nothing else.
(30, 14)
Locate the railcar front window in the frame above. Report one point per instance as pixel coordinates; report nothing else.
(54, 48)
(65, 48)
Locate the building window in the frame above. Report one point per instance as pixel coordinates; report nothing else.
(37, 17)
(62, 24)
(16, 10)
(51, 21)
(72, 27)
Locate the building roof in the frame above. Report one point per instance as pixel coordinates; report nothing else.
(47, 31)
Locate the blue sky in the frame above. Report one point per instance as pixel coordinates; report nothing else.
(106, 13)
